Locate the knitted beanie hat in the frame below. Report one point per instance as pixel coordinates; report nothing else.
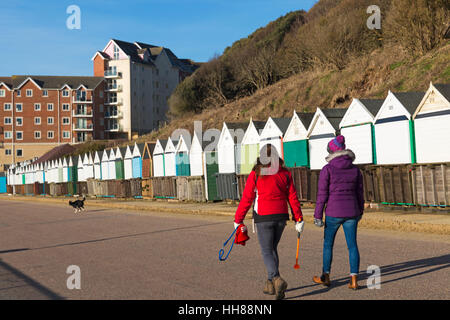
(336, 144)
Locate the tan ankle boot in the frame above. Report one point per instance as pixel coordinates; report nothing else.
(269, 288)
(353, 284)
(323, 279)
(280, 287)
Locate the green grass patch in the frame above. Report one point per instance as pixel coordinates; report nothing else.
(395, 65)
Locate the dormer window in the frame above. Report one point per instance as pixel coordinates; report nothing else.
(65, 93)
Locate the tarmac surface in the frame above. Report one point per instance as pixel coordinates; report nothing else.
(151, 254)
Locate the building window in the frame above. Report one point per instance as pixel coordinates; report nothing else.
(19, 135)
(45, 93)
(2, 92)
(102, 123)
(37, 107)
(50, 120)
(7, 107)
(37, 134)
(50, 134)
(8, 134)
(49, 106)
(19, 107)
(65, 93)
(65, 107)
(66, 134)
(66, 120)
(101, 108)
(8, 152)
(19, 121)
(7, 120)
(37, 120)
(29, 92)
(116, 52)
(101, 94)
(19, 153)
(18, 93)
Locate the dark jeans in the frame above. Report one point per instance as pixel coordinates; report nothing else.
(350, 226)
(269, 234)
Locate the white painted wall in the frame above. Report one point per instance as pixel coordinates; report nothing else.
(393, 145)
(359, 140)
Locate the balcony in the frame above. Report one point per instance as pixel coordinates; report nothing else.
(110, 74)
(114, 88)
(113, 114)
(82, 114)
(114, 102)
(81, 99)
(114, 128)
(83, 127)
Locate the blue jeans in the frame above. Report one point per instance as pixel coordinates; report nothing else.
(350, 226)
(269, 234)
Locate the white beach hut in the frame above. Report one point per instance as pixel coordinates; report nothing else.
(394, 128)
(128, 163)
(357, 128)
(105, 164)
(97, 165)
(273, 133)
(170, 158)
(323, 128)
(432, 125)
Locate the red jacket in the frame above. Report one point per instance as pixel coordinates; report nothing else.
(273, 194)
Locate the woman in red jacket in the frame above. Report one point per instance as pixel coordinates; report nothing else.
(270, 187)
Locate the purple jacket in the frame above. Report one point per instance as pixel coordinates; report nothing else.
(340, 187)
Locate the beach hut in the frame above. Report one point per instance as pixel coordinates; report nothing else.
(112, 164)
(182, 157)
(229, 146)
(394, 128)
(229, 152)
(273, 133)
(323, 128)
(104, 164)
(80, 169)
(169, 158)
(432, 125)
(88, 164)
(128, 163)
(138, 151)
(60, 171)
(358, 129)
(120, 153)
(196, 156)
(295, 140)
(250, 146)
(210, 168)
(158, 158)
(97, 165)
(65, 165)
(72, 170)
(147, 160)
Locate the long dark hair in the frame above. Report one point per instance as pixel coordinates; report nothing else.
(268, 158)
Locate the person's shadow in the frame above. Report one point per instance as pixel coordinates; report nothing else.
(436, 263)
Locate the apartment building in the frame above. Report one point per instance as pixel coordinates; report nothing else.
(38, 113)
(139, 80)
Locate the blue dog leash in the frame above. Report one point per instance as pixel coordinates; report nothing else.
(221, 251)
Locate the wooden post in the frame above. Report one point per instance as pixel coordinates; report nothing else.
(433, 186)
(414, 187)
(444, 185)
(424, 196)
(391, 180)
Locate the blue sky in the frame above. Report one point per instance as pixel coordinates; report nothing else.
(35, 39)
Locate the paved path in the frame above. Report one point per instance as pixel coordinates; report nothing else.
(154, 255)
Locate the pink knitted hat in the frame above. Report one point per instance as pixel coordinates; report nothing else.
(336, 144)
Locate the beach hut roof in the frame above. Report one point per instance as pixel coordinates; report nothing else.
(334, 116)
(443, 89)
(410, 100)
(306, 118)
(372, 105)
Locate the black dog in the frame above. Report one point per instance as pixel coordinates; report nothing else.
(78, 205)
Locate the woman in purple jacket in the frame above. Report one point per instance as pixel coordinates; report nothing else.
(341, 190)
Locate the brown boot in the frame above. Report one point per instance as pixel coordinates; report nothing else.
(323, 279)
(269, 288)
(280, 287)
(353, 284)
